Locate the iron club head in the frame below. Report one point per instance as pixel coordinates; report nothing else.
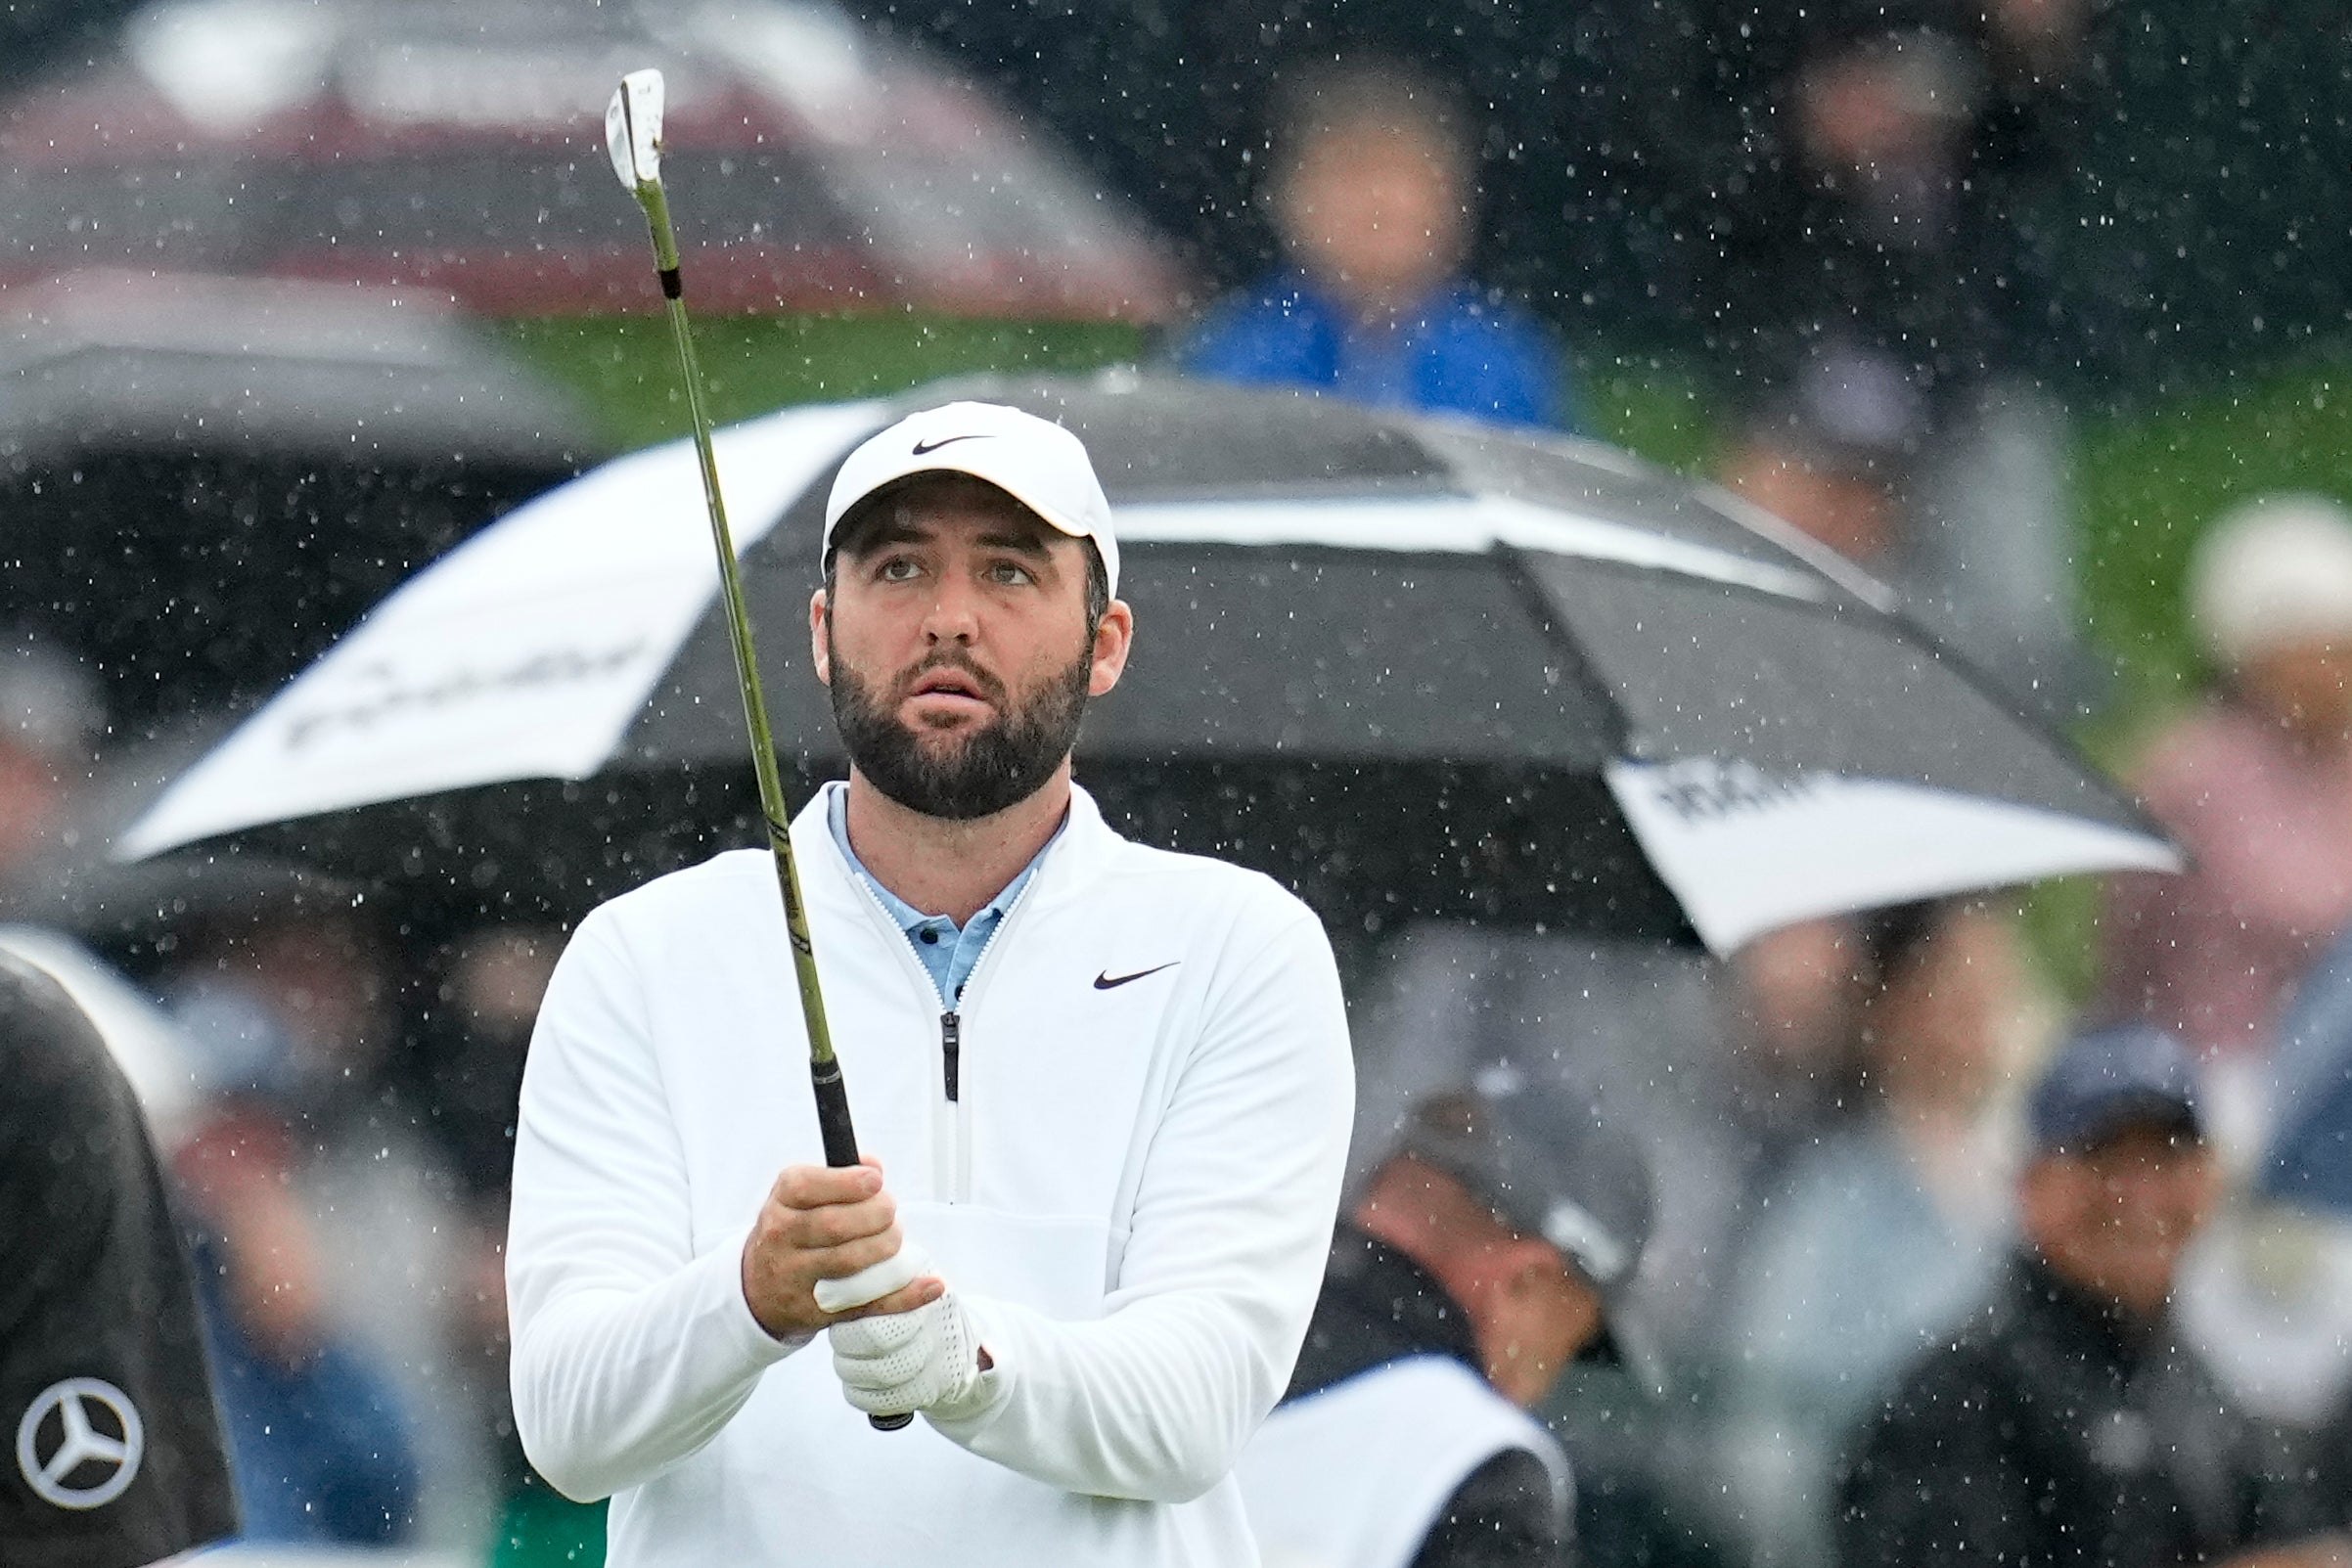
(633, 129)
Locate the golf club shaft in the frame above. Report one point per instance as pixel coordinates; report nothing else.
(640, 174)
(825, 1070)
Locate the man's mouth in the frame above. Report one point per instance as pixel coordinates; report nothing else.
(946, 691)
(947, 681)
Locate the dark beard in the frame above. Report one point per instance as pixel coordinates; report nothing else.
(997, 766)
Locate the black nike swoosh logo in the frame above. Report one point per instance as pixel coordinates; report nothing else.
(925, 448)
(1106, 980)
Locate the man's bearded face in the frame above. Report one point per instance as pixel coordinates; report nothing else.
(965, 772)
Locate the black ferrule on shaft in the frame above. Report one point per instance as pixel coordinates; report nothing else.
(833, 1113)
(673, 286)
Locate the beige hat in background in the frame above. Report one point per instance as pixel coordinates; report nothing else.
(2272, 573)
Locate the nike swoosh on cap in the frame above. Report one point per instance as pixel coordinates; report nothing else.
(925, 448)
(1105, 981)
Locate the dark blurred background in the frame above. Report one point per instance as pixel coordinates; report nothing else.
(2197, 217)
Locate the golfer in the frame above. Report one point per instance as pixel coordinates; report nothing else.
(1104, 1091)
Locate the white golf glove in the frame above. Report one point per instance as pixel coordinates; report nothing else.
(925, 1359)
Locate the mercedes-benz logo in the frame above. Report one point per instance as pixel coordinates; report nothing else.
(79, 1442)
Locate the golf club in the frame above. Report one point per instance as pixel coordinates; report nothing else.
(633, 136)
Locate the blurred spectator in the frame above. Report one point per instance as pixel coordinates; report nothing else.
(1568, 1020)
(1485, 1255)
(1967, 520)
(2266, 1298)
(2266, 1295)
(1716, 1078)
(322, 1448)
(1879, 156)
(2066, 1422)
(1726, 1072)
(467, 1070)
(118, 1450)
(2256, 783)
(1888, 1229)
(1372, 186)
(469, 1059)
(2332, 1466)
(2307, 1160)
(1879, 163)
(1876, 212)
(341, 1271)
(1831, 455)
(324, 1452)
(50, 717)
(1792, 1044)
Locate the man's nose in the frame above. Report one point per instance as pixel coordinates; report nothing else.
(953, 615)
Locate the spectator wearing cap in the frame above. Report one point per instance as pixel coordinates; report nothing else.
(1373, 192)
(1890, 1224)
(1848, 450)
(1828, 454)
(1487, 1253)
(2256, 783)
(2066, 1422)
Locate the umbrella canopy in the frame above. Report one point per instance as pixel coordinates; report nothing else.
(207, 479)
(455, 144)
(1437, 667)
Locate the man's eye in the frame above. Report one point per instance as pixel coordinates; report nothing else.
(1008, 574)
(897, 569)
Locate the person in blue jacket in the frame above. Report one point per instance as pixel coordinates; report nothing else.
(1371, 189)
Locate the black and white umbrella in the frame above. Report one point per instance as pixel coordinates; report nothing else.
(206, 479)
(1406, 665)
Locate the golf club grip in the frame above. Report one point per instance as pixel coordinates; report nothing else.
(840, 1149)
(833, 1113)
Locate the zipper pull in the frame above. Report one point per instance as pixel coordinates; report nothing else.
(951, 1047)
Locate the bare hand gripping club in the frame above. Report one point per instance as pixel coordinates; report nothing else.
(633, 136)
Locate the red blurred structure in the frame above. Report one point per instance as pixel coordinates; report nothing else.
(456, 147)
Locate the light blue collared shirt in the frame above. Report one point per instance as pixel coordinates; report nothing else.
(945, 953)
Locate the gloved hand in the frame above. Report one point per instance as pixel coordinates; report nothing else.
(904, 1267)
(925, 1359)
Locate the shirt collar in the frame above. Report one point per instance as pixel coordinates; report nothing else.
(903, 914)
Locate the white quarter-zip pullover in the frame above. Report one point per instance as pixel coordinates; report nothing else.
(1123, 1148)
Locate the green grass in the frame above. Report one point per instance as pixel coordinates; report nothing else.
(625, 370)
(622, 368)
(1653, 407)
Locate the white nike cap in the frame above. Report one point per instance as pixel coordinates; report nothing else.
(1034, 461)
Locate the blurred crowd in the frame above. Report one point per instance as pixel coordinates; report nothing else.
(1880, 1146)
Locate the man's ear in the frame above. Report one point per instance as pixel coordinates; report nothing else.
(1532, 1269)
(820, 638)
(1114, 635)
